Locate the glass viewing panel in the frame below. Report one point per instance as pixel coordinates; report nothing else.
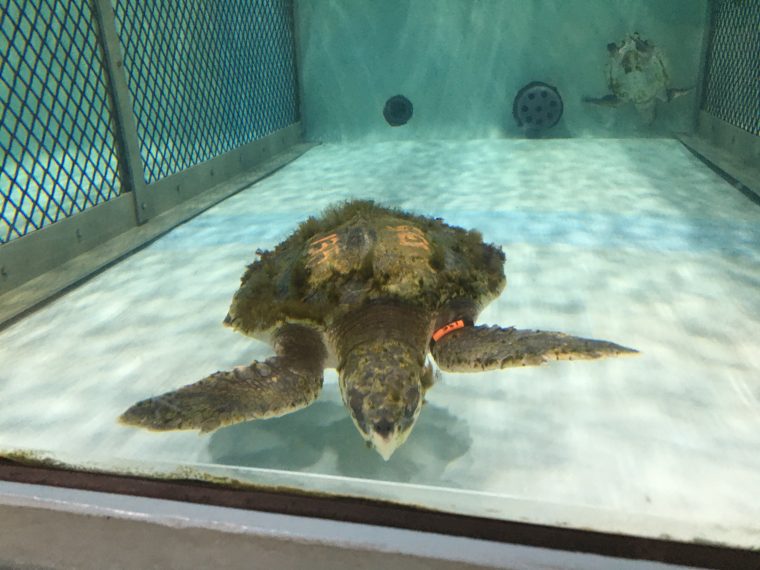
(551, 129)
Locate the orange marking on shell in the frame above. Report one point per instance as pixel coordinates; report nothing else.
(323, 249)
(331, 238)
(409, 236)
(446, 329)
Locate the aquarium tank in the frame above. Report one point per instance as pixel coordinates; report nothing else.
(493, 261)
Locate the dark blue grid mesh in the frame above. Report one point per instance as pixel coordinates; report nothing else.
(56, 135)
(732, 86)
(206, 76)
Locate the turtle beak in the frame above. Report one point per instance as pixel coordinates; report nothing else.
(385, 447)
(386, 438)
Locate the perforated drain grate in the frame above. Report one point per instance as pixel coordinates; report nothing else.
(398, 110)
(537, 107)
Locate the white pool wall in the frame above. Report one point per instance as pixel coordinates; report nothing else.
(462, 62)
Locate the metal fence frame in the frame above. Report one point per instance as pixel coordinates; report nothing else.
(57, 131)
(732, 150)
(25, 258)
(731, 84)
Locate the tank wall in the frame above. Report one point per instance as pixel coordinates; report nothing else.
(462, 62)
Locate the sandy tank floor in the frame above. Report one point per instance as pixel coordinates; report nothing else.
(633, 241)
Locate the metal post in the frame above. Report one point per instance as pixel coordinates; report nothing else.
(127, 143)
(703, 61)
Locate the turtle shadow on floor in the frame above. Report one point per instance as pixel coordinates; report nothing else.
(322, 438)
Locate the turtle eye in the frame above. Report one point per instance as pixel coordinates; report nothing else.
(412, 402)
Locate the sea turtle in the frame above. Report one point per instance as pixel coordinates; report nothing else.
(371, 291)
(636, 73)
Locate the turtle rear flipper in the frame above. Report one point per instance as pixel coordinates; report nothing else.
(282, 384)
(647, 111)
(477, 348)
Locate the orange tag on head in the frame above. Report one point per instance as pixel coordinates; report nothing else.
(446, 329)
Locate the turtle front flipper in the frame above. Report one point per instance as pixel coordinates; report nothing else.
(606, 101)
(282, 384)
(477, 348)
(675, 93)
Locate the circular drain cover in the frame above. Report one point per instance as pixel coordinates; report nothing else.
(398, 110)
(537, 106)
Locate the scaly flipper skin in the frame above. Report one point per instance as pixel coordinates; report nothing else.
(674, 93)
(478, 348)
(280, 385)
(606, 101)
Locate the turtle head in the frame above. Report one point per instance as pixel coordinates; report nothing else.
(383, 383)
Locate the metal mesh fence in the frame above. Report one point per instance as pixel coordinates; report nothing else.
(732, 86)
(56, 134)
(206, 76)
